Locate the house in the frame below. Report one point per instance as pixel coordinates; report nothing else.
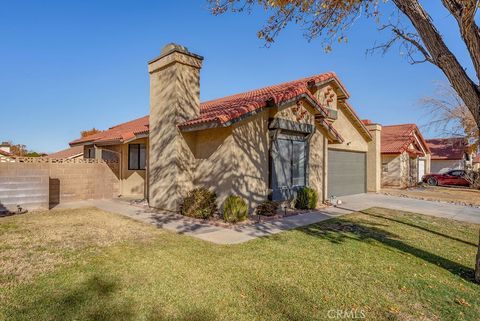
(476, 163)
(405, 155)
(5, 152)
(68, 153)
(264, 143)
(448, 153)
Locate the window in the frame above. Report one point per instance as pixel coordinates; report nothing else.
(385, 167)
(90, 153)
(136, 156)
(288, 167)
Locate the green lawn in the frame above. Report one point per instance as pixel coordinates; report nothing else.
(91, 265)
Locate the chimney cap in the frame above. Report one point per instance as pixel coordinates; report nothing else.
(173, 47)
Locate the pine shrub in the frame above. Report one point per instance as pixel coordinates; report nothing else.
(235, 209)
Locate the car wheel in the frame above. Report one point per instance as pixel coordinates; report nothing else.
(432, 181)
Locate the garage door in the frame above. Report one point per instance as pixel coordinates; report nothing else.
(346, 173)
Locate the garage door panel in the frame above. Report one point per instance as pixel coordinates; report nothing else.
(346, 173)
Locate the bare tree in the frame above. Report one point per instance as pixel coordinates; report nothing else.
(446, 113)
(330, 20)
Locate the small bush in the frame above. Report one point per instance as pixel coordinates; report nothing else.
(307, 198)
(235, 209)
(199, 203)
(267, 208)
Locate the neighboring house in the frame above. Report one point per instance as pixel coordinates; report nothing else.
(476, 163)
(5, 153)
(405, 155)
(69, 153)
(265, 143)
(448, 153)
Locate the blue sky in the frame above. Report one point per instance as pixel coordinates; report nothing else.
(67, 66)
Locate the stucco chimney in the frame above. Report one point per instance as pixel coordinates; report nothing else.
(374, 157)
(174, 98)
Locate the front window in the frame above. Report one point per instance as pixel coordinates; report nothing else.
(288, 167)
(136, 156)
(90, 153)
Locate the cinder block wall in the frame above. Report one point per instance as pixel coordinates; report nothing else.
(46, 184)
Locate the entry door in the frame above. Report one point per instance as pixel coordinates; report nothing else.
(347, 172)
(421, 169)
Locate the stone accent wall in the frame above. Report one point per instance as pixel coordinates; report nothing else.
(45, 182)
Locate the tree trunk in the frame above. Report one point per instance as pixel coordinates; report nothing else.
(444, 59)
(441, 55)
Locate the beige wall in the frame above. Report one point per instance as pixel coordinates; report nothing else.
(68, 181)
(395, 168)
(353, 139)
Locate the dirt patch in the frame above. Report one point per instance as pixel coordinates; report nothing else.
(459, 196)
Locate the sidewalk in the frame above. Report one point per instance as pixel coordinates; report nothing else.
(223, 235)
(207, 232)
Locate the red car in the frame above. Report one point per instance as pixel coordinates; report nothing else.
(453, 177)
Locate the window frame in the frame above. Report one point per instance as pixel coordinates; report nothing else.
(291, 138)
(130, 168)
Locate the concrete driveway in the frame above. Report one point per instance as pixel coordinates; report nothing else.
(440, 209)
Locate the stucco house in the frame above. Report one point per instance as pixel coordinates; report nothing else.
(405, 155)
(264, 143)
(449, 153)
(476, 163)
(5, 152)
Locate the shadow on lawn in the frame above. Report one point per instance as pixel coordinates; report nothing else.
(420, 228)
(98, 298)
(339, 230)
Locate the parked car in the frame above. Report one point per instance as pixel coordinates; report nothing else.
(453, 177)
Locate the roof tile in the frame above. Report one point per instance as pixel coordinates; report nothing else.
(448, 148)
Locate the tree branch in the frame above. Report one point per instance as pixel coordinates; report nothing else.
(441, 55)
(464, 13)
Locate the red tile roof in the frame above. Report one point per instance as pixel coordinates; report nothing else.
(448, 148)
(117, 134)
(224, 111)
(397, 138)
(5, 153)
(67, 153)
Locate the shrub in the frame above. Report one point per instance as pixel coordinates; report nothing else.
(307, 198)
(199, 203)
(267, 208)
(235, 209)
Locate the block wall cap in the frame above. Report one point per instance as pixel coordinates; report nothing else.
(171, 48)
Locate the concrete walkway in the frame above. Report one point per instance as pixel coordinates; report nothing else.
(222, 235)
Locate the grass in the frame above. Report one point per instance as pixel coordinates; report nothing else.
(381, 264)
